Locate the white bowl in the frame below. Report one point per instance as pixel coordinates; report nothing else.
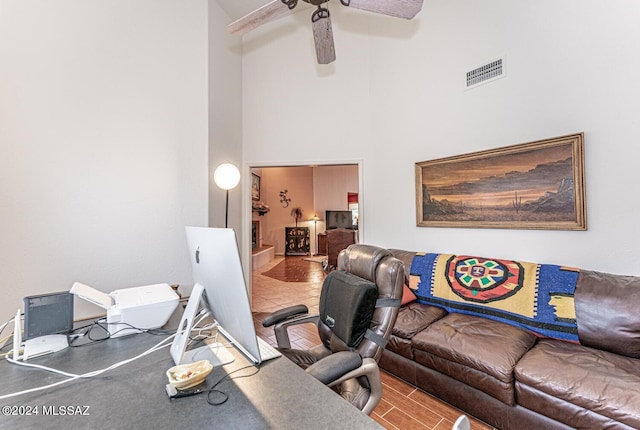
(189, 375)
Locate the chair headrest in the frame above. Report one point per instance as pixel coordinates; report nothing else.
(362, 260)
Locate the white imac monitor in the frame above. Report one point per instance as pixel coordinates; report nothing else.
(217, 272)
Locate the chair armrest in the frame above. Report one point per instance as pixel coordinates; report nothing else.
(281, 328)
(368, 369)
(283, 314)
(335, 366)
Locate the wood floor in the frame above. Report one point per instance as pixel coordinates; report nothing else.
(403, 406)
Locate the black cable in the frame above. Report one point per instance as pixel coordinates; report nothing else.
(100, 323)
(89, 329)
(212, 390)
(223, 395)
(81, 328)
(103, 325)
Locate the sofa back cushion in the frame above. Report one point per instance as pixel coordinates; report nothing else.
(407, 258)
(537, 297)
(607, 312)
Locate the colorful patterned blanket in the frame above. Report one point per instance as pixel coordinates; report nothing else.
(537, 297)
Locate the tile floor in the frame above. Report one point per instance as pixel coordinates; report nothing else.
(403, 406)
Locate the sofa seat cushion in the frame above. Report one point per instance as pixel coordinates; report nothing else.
(414, 317)
(400, 346)
(597, 381)
(480, 352)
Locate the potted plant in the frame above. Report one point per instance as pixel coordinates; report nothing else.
(296, 213)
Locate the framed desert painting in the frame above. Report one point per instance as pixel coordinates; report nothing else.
(535, 185)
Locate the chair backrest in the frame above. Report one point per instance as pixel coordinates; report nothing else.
(380, 267)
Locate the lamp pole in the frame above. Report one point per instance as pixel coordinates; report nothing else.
(226, 176)
(315, 220)
(226, 211)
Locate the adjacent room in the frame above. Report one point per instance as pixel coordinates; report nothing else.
(294, 207)
(478, 157)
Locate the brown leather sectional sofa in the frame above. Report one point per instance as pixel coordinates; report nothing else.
(512, 379)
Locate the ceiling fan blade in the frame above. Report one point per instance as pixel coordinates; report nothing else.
(273, 10)
(323, 36)
(399, 8)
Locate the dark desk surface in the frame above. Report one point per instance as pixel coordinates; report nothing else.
(279, 396)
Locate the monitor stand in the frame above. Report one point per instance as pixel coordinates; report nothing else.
(216, 353)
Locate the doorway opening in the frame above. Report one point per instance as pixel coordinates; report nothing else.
(289, 206)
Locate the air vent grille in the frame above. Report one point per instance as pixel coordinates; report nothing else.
(483, 74)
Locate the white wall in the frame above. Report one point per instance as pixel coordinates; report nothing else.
(331, 185)
(103, 143)
(225, 116)
(395, 96)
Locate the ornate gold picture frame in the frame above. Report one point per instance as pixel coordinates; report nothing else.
(535, 185)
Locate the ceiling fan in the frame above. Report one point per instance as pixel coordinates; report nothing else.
(321, 18)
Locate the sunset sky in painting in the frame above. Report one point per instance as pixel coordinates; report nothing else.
(479, 180)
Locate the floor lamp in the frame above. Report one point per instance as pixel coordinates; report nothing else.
(315, 220)
(226, 176)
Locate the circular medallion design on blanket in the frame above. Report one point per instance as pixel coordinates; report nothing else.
(484, 280)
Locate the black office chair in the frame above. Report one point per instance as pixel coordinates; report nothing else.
(358, 307)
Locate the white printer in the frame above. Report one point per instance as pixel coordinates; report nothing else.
(144, 308)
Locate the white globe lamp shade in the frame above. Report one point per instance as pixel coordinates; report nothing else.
(226, 176)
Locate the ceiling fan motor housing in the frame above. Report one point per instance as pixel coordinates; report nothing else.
(290, 3)
(316, 2)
